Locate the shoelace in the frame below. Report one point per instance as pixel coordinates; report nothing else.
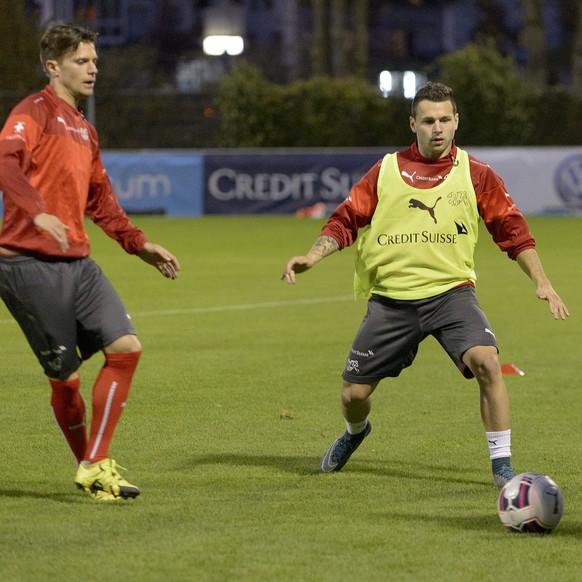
(114, 470)
(346, 445)
(506, 471)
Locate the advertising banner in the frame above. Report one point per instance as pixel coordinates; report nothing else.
(540, 180)
(160, 182)
(281, 182)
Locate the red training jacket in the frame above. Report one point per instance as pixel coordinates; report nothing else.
(503, 220)
(50, 162)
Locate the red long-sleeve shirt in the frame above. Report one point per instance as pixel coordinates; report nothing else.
(50, 162)
(503, 220)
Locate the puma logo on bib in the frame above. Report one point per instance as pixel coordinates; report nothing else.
(414, 203)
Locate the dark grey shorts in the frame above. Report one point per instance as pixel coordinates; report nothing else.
(68, 310)
(388, 339)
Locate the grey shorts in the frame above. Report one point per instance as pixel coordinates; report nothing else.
(68, 310)
(388, 339)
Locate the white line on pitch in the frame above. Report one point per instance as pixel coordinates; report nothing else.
(244, 306)
(240, 307)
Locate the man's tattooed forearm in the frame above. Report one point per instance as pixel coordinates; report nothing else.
(323, 246)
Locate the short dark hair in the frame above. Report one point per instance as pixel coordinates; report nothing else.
(59, 39)
(433, 92)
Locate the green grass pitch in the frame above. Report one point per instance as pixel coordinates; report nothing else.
(237, 397)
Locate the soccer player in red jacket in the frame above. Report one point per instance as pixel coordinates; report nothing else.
(415, 216)
(52, 177)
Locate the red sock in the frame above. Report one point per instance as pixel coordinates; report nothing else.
(109, 395)
(69, 412)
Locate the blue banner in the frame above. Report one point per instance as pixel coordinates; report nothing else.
(314, 182)
(248, 182)
(158, 182)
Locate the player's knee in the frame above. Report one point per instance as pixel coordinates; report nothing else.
(59, 363)
(485, 365)
(355, 393)
(124, 344)
(64, 375)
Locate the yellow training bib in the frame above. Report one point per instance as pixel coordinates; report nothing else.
(421, 241)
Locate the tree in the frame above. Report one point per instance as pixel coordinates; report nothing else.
(288, 13)
(360, 16)
(318, 42)
(340, 49)
(533, 41)
(337, 37)
(317, 112)
(577, 55)
(495, 102)
(20, 68)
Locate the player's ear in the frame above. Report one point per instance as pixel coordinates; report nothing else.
(412, 124)
(52, 68)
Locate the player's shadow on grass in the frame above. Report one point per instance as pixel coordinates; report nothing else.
(298, 465)
(26, 493)
(480, 523)
(418, 471)
(391, 470)
(310, 466)
(487, 521)
(305, 465)
(69, 498)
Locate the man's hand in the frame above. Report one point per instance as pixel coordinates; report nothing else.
(557, 307)
(161, 259)
(53, 225)
(295, 265)
(530, 263)
(322, 247)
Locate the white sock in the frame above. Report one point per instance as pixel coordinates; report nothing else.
(499, 444)
(356, 427)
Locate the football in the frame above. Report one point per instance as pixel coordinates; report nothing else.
(531, 503)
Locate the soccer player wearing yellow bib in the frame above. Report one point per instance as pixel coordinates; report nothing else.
(414, 217)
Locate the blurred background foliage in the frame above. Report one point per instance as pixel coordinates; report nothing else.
(317, 112)
(137, 106)
(497, 107)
